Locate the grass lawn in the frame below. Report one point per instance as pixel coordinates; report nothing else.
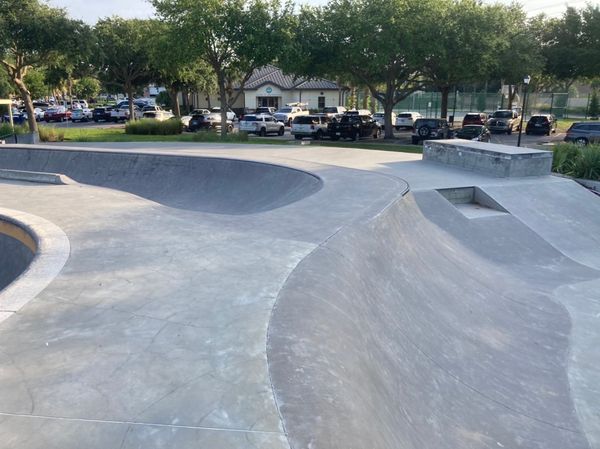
(564, 123)
(376, 146)
(118, 135)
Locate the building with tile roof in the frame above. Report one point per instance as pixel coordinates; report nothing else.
(269, 86)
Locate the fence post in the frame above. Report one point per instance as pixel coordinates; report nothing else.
(551, 102)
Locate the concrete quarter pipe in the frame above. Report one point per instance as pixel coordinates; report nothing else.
(323, 310)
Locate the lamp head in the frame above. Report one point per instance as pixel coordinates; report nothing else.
(527, 79)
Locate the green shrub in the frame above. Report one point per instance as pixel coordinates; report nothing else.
(153, 127)
(577, 161)
(49, 134)
(6, 130)
(587, 165)
(212, 136)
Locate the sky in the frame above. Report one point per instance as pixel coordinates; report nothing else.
(91, 10)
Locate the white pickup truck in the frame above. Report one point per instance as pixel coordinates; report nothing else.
(291, 110)
(122, 113)
(261, 124)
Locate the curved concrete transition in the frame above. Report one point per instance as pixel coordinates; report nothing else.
(17, 250)
(216, 185)
(300, 298)
(424, 329)
(32, 253)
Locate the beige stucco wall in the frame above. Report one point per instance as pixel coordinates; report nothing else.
(248, 99)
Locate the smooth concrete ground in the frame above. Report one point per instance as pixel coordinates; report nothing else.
(348, 312)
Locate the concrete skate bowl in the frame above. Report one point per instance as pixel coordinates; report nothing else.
(393, 335)
(17, 250)
(32, 253)
(215, 185)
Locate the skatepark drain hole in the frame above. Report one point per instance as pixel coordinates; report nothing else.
(472, 202)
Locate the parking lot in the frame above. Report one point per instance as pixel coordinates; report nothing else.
(402, 137)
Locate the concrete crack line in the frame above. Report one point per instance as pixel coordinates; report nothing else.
(134, 423)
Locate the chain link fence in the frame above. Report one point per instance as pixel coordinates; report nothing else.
(562, 105)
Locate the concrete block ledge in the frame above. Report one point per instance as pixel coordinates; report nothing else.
(35, 176)
(502, 161)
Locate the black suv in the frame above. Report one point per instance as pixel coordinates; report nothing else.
(353, 126)
(583, 133)
(102, 113)
(541, 124)
(430, 128)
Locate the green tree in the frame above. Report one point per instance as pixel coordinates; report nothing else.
(32, 33)
(36, 83)
(6, 88)
(465, 50)
(86, 87)
(234, 37)
(124, 55)
(172, 65)
(381, 44)
(564, 55)
(518, 51)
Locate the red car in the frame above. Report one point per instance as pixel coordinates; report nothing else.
(58, 114)
(475, 118)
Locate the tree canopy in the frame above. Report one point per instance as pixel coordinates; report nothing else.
(234, 37)
(123, 53)
(31, 34)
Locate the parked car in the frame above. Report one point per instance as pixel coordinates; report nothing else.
(81, 115)
(160, 115)
(406, 119)
(314, 126)
(334, 113)
(139, 102)
(430, 128)
(475, 118)
(186, 118)
(353, 125)
(102, 113)
(479, 133)
(39, 114)
(208, 122)
(288, 113)
(583, 133)
(261, 124)
(57, 114)
(541, 124)
(81, 103)
(230, 114)
(504, 121)
(122, 113)
(265, 110)
(379, 117)
(19, 117)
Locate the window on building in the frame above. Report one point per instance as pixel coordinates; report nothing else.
(321, 102)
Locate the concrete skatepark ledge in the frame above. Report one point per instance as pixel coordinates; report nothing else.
(204, 296)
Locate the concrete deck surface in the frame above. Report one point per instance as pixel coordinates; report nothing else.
(321, 298)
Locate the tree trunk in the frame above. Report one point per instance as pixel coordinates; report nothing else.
(445, 91)
(223, 100)
(131, 107)
(388, 107)
(511, 96)
(186, 100)
(26, 95)
(174, 94)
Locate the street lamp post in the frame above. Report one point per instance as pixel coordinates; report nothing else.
(526, 81)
